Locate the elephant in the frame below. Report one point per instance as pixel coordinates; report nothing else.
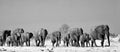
(99, 33)
(4, 34)
(40, 37)
(56, 38)
(25, 37)
(75, 34)
(16, 35)
(66, 39)
(85, 38)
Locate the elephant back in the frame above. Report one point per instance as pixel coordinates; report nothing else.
(76, 32)
(18, 30)
(56, 35)
(100, 29)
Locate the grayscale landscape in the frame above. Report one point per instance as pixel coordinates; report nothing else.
(59, 26)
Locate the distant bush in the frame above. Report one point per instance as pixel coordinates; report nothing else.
(113, 35)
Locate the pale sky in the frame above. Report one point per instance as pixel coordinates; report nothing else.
(51, 14)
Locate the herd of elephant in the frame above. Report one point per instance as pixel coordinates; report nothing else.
(75, 37)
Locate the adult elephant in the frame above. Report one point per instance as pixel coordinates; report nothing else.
(16, 35)
(40, 37)
(56, 38)
(66, 39)
(25, 38)
(99, 33)
(75, 34)
(3, 36)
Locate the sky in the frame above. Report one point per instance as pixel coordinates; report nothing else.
(51, 14)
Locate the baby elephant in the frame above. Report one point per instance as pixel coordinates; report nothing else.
(85, 38)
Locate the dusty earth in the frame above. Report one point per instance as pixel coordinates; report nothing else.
(115, 47)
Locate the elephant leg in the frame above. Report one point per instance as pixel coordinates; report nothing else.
(86, 44)
(36, 41)
(77, 44)
(108, 40)
(26, 43)
(82, 44)
(67, 44)
(8, 43)
(2, 43)
(29, 43)
(17, 43)
(57, 44)
(91, 43)
(21, 43)
(102, 41)
(43, 42)
(64, 43)
(39, 42)
(53, 44)
(11, 43)
(71, 42)
(95, 43)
